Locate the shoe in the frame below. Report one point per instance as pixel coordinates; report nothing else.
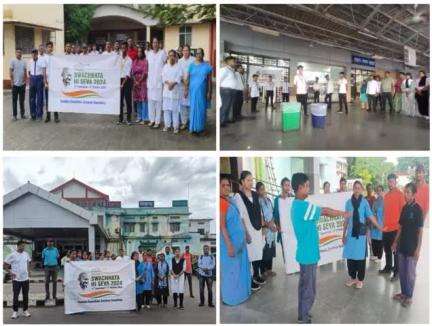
(142, 122)
(138, 121)
(350, 282)
(201, 305)
(119, 123)
(14, 118)
(56, 120)
(14, 315)
(359, 285)
(151, 124)
(176, 131)
(47, 120)
(339, 111)
(26, 313)
(406, 302)
(384, 271)
(181, 308)
(156, 126)
(148, 306)
(183, 127)
(129, 123)
(307, 321)
(255, 286)
(260, 280)
(394, 278)
(398, 297)
(165, 129)
(211, 305)
(192, 296)
(23, 117)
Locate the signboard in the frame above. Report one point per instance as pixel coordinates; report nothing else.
(330, 231)
(99, 286)
(146, 203)
(179, 203)
(84, 84)
(363, 61)
(410, 57)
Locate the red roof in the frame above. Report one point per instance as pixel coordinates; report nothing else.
(73, 180)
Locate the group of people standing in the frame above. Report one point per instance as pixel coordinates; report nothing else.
(157, 274)
(404, 94)
(250, 227)
(152, 82)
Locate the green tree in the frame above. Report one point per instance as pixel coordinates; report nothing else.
(77, 20)
(370, 169)
(410, 163)
(179, 13)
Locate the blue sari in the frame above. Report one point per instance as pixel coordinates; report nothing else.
(235, 271)
(198, 103)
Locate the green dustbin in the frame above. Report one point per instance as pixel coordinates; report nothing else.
(290, 116)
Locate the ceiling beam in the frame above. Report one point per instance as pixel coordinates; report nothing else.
(371, 15)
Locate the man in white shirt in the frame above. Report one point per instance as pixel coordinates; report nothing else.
(125, 85)
(122, 257)
(37, 74)
(68, 49)
(48, 56)
(108, 49)
(18, 76)
(228, 82)
(343, 89)
(285, 90)
(372, 92)
(254, 93)
(329, 92)
(18, 265)
(240, 89)
(184, 63)
(316, 89)
(171, 78)
(269, 91)
(156, 60)
(301, 88)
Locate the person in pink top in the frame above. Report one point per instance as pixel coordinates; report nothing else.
(139, 94)
(187, 256)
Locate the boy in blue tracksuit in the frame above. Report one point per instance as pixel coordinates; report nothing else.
(305, 216)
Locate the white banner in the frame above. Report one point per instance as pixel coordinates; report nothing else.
(330, 231)
(99, 286)
(410, 56)
(84, 84)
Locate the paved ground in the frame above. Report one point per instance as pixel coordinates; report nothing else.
(192, 314)
(276, 302)
(96, 132)
(360, 130)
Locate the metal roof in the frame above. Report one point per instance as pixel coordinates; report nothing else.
(376, 30)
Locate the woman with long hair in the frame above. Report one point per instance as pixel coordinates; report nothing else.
(139, 92)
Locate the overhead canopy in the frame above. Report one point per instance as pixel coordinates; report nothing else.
(369, 29)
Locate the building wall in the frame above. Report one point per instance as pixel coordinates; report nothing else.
(31, 211)
(200, 37)
(195, 225)
(50, 15)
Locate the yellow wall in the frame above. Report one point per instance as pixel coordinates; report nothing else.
(200, 37)
(45, 15)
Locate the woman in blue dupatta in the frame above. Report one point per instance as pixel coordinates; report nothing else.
(200, 92)
(139, 284)
(235, 268)
(354, 236)
(148, 280)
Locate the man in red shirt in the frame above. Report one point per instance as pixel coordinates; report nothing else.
(422, 194)
(132, 51)
(187, 256)
(394, 201)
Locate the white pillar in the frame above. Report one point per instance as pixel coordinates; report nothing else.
(91, 239)
(102, 244)
(148, 34)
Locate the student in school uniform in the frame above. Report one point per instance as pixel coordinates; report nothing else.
(254, 93)
(37, 73)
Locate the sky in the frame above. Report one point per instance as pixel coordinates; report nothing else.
(128, 179)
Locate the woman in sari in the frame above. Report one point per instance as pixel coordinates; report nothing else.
(422, 95)
(199, 85)
(354, 236)
(235, 272)
(408, 97)
(139, 93)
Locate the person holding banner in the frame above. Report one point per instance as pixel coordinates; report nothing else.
(247, 202)
(125, 85)
(235, 269)
(354, 236)
(304, 216)
(156, 60)
(139, 286)
(48, 55)
(199, 86)
(376, 234)
(162, 270)
(178, 278)
(37, 74)
(171, 78)
(139, 93)
(185, 61)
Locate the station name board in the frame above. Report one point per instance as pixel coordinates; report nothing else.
(363, 61)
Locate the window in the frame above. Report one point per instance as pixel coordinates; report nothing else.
(201, 231)
(185, 34)
(129, 227)
(174, 227)
(46, 36)
(155, 217)
(24, 39)
(142, 227)
(155, 227)
(175, 217)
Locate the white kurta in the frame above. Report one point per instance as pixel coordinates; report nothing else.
(156, 62)
(255, 248)
(171, 98)
(289, 243)
(177, 284)
(184, 65)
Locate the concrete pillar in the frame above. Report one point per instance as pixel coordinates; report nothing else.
(312, 170)
(91, 239)
(102, 243)
(148, 34)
